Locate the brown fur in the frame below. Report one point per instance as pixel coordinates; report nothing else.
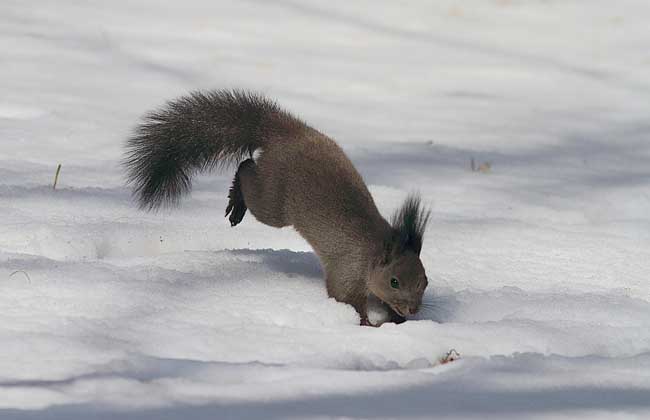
(302, 179)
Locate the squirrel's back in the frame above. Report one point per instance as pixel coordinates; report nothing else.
(322, 193)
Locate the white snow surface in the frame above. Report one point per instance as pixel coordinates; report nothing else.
(538, 268)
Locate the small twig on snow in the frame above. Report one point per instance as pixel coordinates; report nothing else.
(56, 176)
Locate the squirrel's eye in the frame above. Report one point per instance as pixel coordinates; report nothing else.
(394, 283)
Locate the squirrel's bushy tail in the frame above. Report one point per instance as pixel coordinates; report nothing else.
(196, 133)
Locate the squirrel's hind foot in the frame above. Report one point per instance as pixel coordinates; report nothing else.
(236, 205)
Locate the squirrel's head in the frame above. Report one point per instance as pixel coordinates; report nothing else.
(398, 278)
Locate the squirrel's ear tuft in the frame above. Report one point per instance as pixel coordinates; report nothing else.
(389, 248)
(409, 223)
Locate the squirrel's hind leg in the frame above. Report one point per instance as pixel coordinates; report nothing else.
(236, 204)
(260, 195)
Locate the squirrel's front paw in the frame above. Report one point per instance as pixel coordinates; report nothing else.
(365, 323)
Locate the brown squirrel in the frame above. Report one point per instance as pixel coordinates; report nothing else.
(301, 178)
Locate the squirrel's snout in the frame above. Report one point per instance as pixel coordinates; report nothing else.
(407, 309)
(413, 309)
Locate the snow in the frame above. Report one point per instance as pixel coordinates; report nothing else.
(538, 268)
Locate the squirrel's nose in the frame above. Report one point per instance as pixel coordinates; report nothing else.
(412, 309)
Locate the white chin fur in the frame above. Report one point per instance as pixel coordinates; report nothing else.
(377, 311)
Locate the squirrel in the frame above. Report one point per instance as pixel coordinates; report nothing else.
(300, 178)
